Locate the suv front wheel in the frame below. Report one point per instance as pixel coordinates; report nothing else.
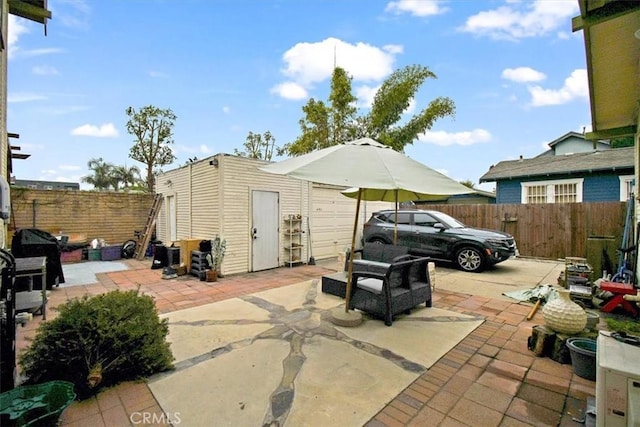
(470, 259)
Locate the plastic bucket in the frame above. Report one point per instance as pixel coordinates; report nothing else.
(95, 254)
(583, 357)
(35, 405)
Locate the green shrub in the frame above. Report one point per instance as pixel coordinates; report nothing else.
(630, 327)
(98, 342)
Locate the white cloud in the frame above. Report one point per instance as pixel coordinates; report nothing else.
(518, 20)
(365, 95)
(226, 110)
(417, 7)
(290, 90)
(411, 107)
(25, 97)
(73, 14)
(443, 138)
(107, 130)
(394, 49)
(523, 75)
(40, 52)
(309, 63)
(575, 86)
(45, 70)
(204, 149)
(15, 28)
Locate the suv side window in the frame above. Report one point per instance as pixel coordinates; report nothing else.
(384, 218)
(424, 220)
(403, 218)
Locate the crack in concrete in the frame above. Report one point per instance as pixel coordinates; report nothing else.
(295, 326)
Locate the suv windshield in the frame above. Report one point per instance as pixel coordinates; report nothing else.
(447, 220)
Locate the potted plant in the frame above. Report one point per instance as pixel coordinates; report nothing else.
(215, 258)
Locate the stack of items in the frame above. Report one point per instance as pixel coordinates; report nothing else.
(576, 277)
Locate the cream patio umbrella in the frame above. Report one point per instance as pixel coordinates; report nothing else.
(366, 164)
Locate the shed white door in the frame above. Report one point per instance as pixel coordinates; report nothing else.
(265, 235)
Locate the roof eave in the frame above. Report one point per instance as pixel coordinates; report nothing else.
(33, 10)
(613, 69)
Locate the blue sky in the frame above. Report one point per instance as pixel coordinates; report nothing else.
(514, 69)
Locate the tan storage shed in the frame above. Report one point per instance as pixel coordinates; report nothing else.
(229, 196)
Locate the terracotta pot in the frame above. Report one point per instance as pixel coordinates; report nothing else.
(211, 275)
(563, 315)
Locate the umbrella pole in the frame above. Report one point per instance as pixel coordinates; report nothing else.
(395, 228)
(351, 254)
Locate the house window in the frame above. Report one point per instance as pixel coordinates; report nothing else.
(627, 187)
(536, 194)
(560, 191)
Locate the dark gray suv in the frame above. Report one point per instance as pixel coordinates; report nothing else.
(442, 237)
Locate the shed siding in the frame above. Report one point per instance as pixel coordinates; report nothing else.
(333, 215)
(239, 177)
(172, 183)
(205, 186)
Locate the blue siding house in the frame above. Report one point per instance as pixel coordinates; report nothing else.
(572, 170)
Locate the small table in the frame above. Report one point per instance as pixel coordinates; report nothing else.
(31, 267)
(619, 290)
(335, 284)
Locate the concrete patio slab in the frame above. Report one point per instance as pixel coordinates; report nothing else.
(84, 273)
(275, 356)
(507, 276)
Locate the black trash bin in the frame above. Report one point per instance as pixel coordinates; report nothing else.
(31, 242)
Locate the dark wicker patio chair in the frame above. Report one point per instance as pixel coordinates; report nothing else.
(396, 291)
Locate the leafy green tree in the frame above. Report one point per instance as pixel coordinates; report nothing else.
(343, 107)
(127, 176)
(625, 141)
(337, 122)
(468, 183)
(393, 98)
(315, 130)
(102, 176)
(325, 125)
(258, 146)
(152, 128)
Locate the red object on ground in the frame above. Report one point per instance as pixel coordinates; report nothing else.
(619, 290)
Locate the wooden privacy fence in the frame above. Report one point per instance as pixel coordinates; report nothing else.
(112, 216)
(552, 230)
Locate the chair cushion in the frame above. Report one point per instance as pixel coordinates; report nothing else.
(418, 271)
(382, 253)
(370, 285)
(395, 278)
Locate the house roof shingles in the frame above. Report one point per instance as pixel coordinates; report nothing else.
(607, 160)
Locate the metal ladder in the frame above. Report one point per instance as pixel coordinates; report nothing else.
(141, 248)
